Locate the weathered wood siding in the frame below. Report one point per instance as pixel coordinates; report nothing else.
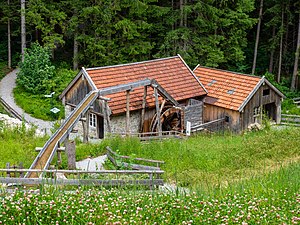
(194, 113)
(259, 100)
(240, 121)
(212, 112)
(78, 91)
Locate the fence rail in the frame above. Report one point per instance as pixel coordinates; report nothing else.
(153, 180)
(152, 135)
(10, 110)
(291, 120)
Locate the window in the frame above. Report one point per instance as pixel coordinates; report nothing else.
(266, 92)
(212, 82)
(231, 91)
(256, 111)
(92, 120)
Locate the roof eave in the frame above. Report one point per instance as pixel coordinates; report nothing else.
(260, 82)
(80, 73)
(193, 73)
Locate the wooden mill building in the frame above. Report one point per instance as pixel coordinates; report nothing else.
(178, 92)
(242, 99)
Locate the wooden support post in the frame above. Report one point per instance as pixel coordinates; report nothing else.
(21, 167)
(143, 109)
(127, 112)
(85, 126)
(157, 112)
(7, 167)
(58, 157)
(71, 153)
(106, 115)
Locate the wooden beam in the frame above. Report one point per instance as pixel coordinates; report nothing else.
(158, 122)
(143, 109)
(92, 182)
(127, 112)
(124, 87)
(60, 149)
(163, 92)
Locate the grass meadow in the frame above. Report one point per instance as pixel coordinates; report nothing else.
(252, 178)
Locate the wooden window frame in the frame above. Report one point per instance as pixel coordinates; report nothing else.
(93, 120)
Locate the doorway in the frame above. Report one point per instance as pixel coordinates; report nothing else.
(100, 124)
(270, 110)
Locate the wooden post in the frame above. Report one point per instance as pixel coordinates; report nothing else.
(106, 115)
(157, 112)
(7, 167)
(58, 156)
(71, 154)
(85, 126)
(21, 167)
(127, 112)
(143, 109)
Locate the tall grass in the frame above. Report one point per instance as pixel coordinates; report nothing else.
(18, 145)
(208, 160)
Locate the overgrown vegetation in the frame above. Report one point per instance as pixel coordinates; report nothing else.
(38, 78)
(37, 71)
(18, 145)
(270, 199)
(3, 69)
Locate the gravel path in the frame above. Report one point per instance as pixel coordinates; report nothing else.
(7, 84)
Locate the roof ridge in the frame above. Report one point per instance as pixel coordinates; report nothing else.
(228, 71)
(128, 64)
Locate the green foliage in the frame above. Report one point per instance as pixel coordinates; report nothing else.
(18, 145)
(270, 199)
(208, 160)
(36, 70)
(3, 70)
(37, 105)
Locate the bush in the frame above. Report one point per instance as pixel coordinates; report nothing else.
(36, 71)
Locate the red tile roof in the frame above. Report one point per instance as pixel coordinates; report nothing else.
(171, 73)
(228, 89)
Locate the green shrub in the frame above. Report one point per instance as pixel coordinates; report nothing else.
(36, 71)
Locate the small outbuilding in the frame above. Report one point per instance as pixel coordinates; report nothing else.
(175, 95)
(239, 98)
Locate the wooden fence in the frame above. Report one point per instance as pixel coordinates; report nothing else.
(10, 110)
(119, 161)
(297, 101)
(146, 136)
(117, 177)
(291, 120)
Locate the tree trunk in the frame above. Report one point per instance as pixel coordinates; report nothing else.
(181, 13)
(295, 72)
(272, 53)
(8, 40)
(23, 29)
(280, 50)
(75, 53)
(257, 35)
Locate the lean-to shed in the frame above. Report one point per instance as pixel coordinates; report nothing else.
(239, 98)
(172, 75)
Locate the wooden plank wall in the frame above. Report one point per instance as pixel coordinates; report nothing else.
(258, 100)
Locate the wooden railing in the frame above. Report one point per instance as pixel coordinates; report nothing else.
(10, 110)
(117, 177)
(119, 161)
(297, 101)
(291, 120)
(152, 135)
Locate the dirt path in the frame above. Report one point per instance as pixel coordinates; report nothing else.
(7, 84)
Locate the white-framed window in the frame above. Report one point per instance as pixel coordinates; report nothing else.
(92, 120)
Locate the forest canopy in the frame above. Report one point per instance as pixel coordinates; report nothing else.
(243, 35)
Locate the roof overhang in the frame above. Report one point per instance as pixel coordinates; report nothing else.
(81, 73)
(262, 81)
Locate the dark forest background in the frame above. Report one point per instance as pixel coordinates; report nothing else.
(256, 37)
